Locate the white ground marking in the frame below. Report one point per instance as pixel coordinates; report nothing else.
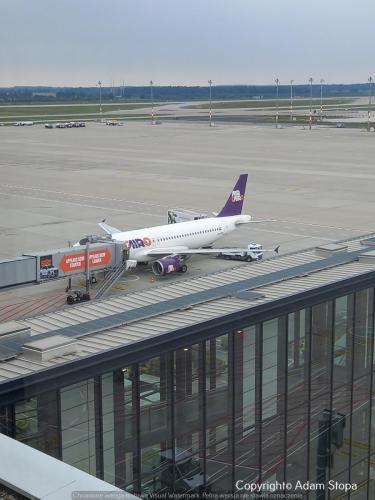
(81, 204)
(81, 195)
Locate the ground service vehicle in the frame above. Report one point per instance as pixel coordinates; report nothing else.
(23, 124)
(77, 296)
(254, 252)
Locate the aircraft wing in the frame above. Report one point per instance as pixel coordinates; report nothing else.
(108, 229)
(156, 252)
(254, 221)
(262, 220)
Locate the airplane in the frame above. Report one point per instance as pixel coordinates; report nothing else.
(168, 246)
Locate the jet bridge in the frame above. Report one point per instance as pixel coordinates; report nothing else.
(176, 215)
(45, 265)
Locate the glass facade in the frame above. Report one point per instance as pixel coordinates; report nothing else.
(286, 399)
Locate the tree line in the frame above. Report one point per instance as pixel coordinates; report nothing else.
(41, 94)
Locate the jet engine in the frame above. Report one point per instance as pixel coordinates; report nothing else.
(168, 265)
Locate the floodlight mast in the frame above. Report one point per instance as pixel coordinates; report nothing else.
(369, 104)
(321, 99)
(291, 100)
(277, 81)
(310, 117)
(100, 98)
(210, 84)
(152, 102)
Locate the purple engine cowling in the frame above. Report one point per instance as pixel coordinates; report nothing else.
(167, 265)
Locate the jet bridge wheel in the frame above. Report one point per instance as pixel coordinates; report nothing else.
(183, 268)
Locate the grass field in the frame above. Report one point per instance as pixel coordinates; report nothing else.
(64, 112)
(68, 118)
(263, 103)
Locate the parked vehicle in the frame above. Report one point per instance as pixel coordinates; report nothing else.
(49, 273)
(254, 252)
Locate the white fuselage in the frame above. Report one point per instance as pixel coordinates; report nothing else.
(176, 237)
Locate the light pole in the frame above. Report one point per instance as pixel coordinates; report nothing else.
(152, 102)
(210, 84)
(291, 100)
(310, 118)
(369, 104)
(321, 99)
(100, 99)
(277, 81)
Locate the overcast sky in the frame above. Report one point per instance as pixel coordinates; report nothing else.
(173, 42)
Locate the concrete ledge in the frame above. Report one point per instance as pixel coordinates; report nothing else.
(37, 475)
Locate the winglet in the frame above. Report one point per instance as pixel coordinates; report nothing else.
(234, 203)
(108, 229)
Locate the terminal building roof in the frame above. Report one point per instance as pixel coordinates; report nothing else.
(171, 314)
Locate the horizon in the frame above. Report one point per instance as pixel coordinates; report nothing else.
(146, 85)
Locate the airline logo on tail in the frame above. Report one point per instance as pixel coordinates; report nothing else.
(237, 196)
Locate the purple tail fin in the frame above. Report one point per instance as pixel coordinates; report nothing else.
(234, 203)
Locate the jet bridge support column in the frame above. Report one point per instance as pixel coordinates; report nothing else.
(88, 267)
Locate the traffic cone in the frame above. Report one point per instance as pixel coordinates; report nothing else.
(152, 279)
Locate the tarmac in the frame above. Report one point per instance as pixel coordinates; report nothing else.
(55, 185)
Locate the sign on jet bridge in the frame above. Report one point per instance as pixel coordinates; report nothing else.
(77, 261)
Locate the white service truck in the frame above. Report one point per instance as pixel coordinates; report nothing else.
(254, 252)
